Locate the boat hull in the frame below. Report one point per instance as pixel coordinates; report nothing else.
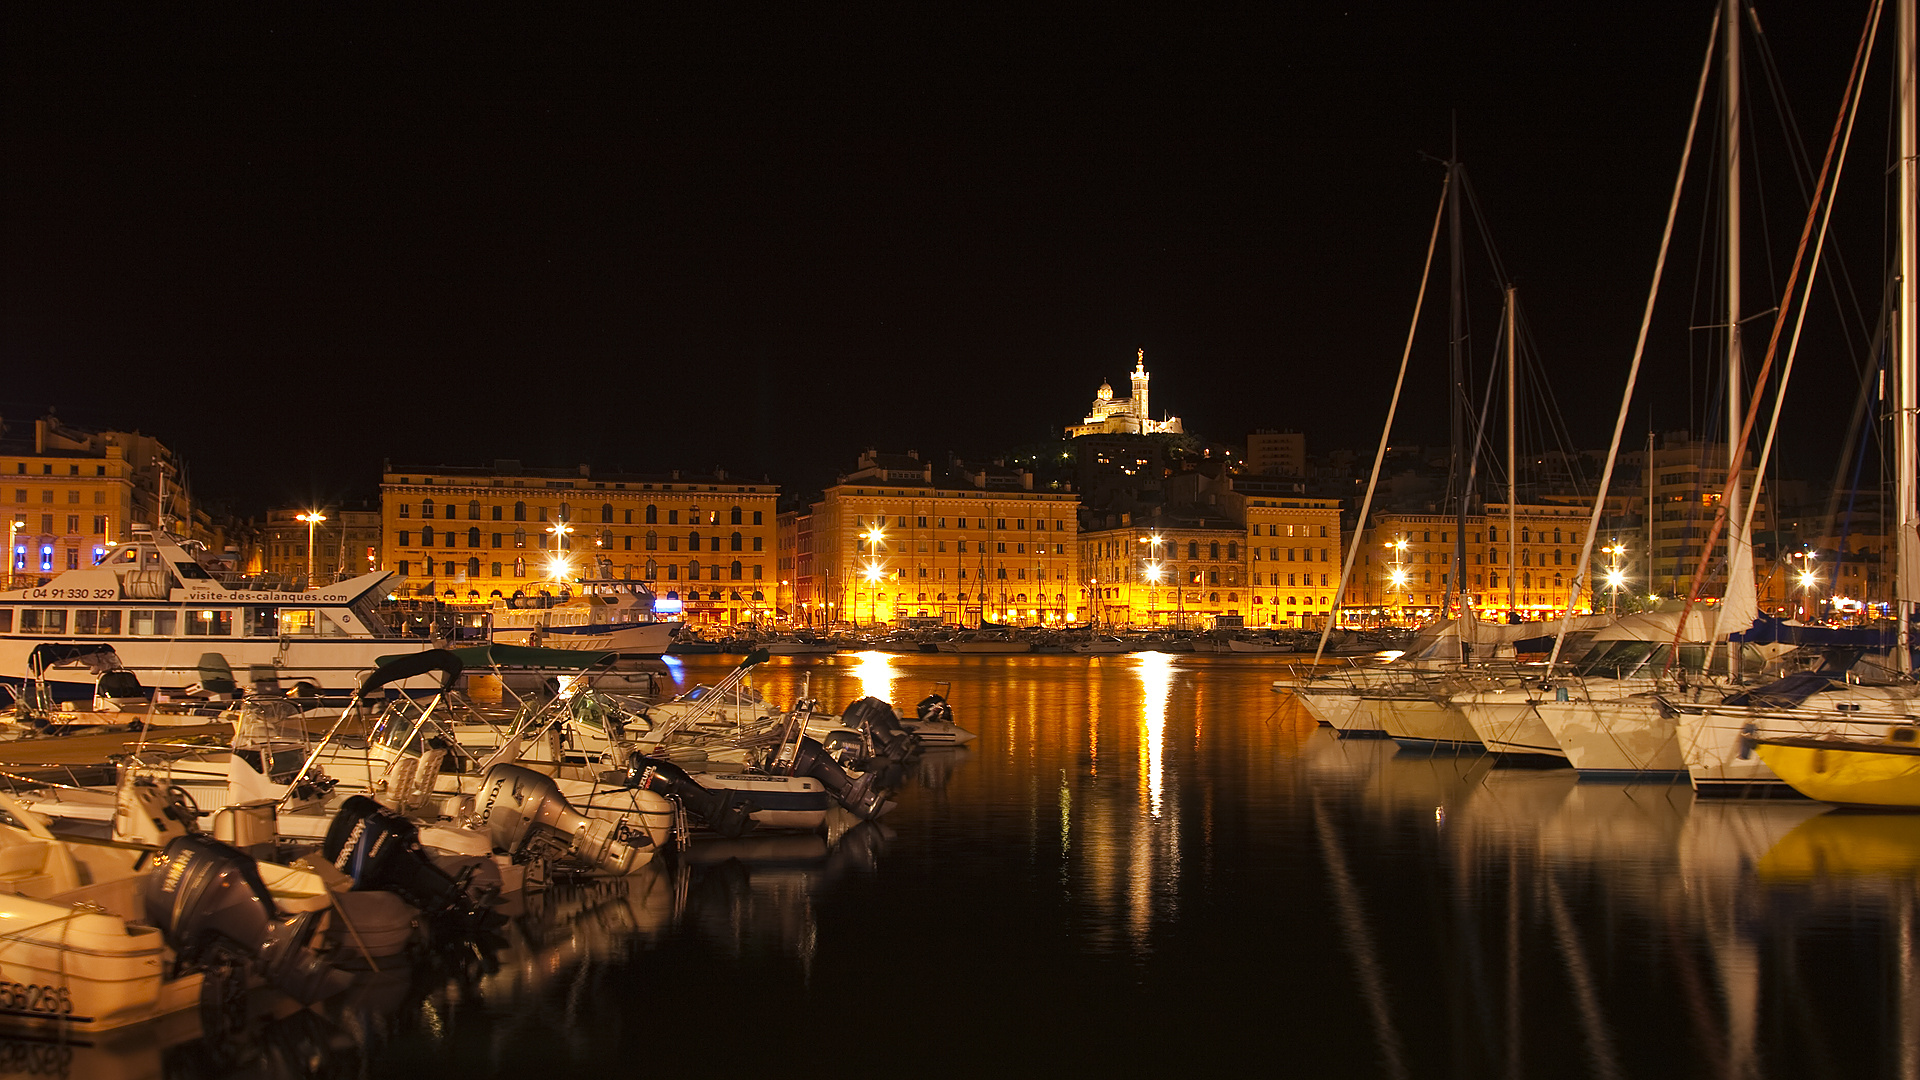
(1835, 771)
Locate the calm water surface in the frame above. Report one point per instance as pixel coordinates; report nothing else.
(1156, 863)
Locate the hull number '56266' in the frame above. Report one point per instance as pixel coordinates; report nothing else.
(34, 998)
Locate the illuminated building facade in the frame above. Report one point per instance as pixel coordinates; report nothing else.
(1166, 570)
(345, 544)
(893, 540)
(1269, 562)
(1405, 563)
(704, 543)
(69, 494)
(1128, 415)
(1293, 558)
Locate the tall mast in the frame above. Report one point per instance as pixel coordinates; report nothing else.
(1730, 27)
(1907, 581)
(1513, 459)
(1455, 585)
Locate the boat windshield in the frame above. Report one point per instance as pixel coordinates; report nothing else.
(1621, 659)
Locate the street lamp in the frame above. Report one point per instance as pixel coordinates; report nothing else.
(873, 574)
(13, 532)
(1399, 577)
(1615, 577)
(1154, 543)
(558, 567)
(313, 518)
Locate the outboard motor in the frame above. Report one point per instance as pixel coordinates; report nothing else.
(728, 813)
(865, 797)
(892, 744)
(212, 908)
(934, 709)
(525, 815)
(380, 850)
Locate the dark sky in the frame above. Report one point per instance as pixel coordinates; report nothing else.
(292, 243)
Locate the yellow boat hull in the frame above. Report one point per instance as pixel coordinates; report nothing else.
(1859, 775)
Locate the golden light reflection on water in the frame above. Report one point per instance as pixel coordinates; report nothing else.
(877, 675)
(1155, 671)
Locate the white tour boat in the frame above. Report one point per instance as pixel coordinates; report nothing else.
(160, 609)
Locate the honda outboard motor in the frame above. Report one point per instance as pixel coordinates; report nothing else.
(380, 850)
(211, 906)
(525, 815)
(728, 813)
(865, 797)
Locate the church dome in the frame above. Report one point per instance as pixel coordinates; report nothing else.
(1106, 392)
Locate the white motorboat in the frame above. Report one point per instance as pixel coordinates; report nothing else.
(162, 611)
(609, 615)
(1103, 645)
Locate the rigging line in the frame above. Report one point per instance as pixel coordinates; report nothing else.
(1844, 300)
(1386, 432)
(1850, 112)
(1827, 165)
(1639, 348)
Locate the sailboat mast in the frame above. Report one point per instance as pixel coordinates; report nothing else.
(1907, 582)
(1730, 26)
(1455, 584)
(1513, 459)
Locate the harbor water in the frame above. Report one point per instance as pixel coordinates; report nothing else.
(1154, 863)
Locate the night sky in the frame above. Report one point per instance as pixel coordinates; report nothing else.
(293, 243)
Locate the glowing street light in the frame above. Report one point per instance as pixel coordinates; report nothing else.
(313, 518)
(13, 532)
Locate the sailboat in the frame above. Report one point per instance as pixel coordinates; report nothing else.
(1814, 723)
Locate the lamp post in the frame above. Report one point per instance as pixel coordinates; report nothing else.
(1152, 572)
(557, 566)
(1398, 575)
(1808, 579)
(13, 532)
(313, 518)
(873, 536)
(1615, 578)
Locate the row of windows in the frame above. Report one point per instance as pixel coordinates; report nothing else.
(735, 571)
(650, 516)
(1275, 530)
(46, 469)
(979, 547)
(1293, 554)
(46, 497)
(734, 542)
(47, 551)
(920, 522)
(940, 572)
(73, 524)
(1528, 535)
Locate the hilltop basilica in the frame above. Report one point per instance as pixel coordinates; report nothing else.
(1127, 415)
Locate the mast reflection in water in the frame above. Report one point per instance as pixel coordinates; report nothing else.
(1094, 886)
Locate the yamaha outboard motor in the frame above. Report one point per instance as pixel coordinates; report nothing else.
(380, 850)
(211, 906)
(728, 813)
(892, 744)
(865, 797)
(525, 815)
